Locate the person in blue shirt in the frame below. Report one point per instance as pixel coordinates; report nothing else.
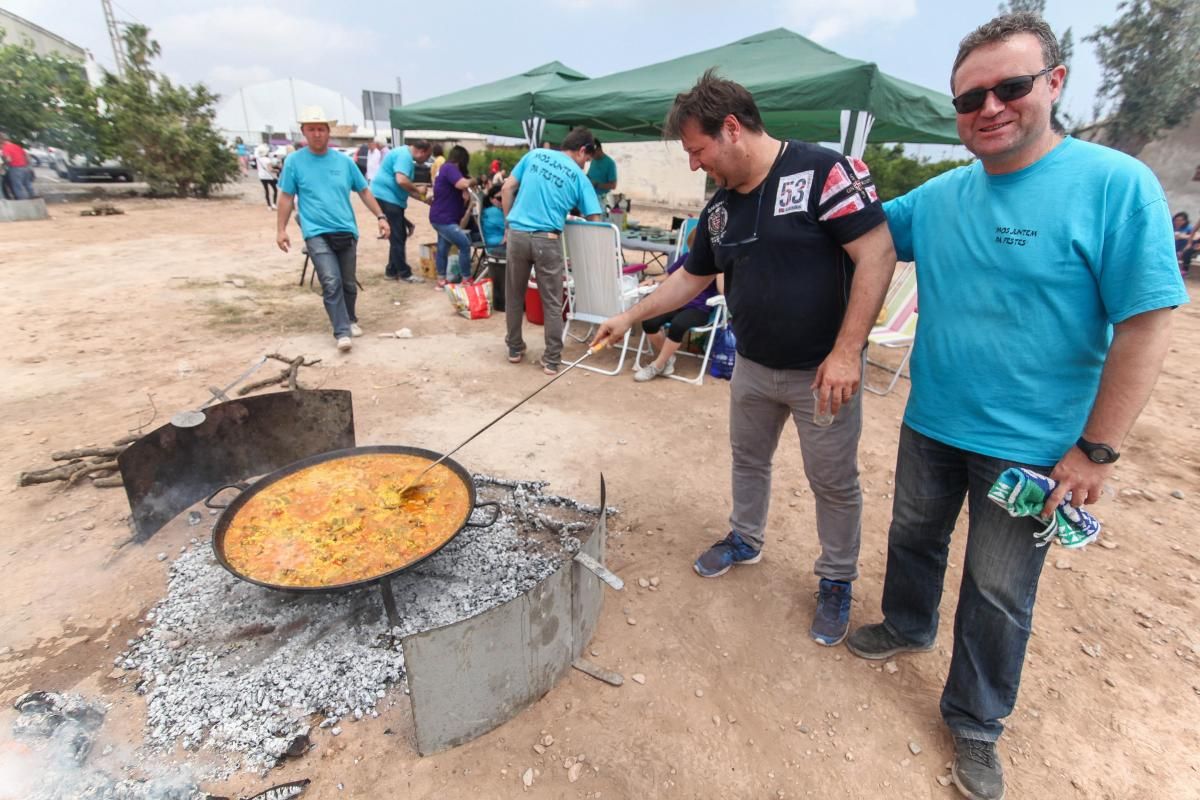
(392, 184)
(1046, 279)
(491, 218)
(602, 173)
(322, 179)
(542, 189)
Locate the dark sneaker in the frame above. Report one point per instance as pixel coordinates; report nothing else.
(548, 368)
(716, 560)
(832, 619)
(977, 772)
(877, 642)
(515, 356)
(388, 277)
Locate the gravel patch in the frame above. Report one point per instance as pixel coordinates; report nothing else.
(243, 671)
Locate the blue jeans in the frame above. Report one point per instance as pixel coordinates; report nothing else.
(336, 272)
(453, 235)
(21, 181)
(999, 584)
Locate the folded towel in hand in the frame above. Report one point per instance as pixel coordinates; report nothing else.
(1023, 493)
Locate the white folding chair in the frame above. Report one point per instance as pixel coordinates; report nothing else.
(596, 288)
(718, 320)
(899, 327)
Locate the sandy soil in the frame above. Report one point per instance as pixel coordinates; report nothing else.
(117, 321)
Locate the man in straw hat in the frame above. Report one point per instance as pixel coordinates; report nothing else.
(323, 179)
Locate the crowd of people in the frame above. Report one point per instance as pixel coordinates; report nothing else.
(798, 239)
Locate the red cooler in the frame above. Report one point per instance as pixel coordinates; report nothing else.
(533, 303)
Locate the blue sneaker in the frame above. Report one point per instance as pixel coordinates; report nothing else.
(832, 619)
(716, 560)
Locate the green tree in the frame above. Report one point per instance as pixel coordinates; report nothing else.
(481, 160)
(162, 131)
(895, 173)
(1151, 73)
(47, 100)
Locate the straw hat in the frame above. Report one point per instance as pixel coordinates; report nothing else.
(315, 115)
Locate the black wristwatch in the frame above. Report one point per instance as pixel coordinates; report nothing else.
(381, 216)
(1098, 452)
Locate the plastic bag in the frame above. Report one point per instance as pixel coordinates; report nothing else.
(471, 300)
(724, 353)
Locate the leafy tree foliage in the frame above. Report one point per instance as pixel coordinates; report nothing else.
(47, 100)
(162, 131)
(896, 173)
(1151, 73)
(481, 161)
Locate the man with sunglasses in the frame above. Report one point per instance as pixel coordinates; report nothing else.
(798, 232)
(1046, 276)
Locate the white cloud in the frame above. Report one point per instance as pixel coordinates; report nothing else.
(822, 21)
(261, 31)
(425, 42)
(239, 76)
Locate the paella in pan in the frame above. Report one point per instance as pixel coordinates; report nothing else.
(345, 520)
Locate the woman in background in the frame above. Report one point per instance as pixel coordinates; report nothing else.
(446, 214)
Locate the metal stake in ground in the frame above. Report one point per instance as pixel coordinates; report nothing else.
(412, 484)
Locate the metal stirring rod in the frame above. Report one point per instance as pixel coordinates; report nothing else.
(593, 349)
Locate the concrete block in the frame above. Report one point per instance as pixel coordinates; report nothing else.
(21, 210)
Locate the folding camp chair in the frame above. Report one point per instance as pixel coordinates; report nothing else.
(596, 288)
(718, 320)
(899, 327)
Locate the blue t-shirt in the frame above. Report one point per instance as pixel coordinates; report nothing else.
(492, 220)
(551, 185)
(384, 186)
(1020, 279)
(602, 170)
(323, 184)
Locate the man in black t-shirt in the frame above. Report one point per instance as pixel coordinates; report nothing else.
(799, 234)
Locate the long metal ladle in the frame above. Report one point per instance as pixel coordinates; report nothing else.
(413, 484)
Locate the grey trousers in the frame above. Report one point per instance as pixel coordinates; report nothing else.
(761, 399)
(543, 255)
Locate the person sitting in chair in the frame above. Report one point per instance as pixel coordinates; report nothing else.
(677, 323)
(491, 219)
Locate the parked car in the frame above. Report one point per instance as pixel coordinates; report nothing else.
(40, 156)
(78, 168)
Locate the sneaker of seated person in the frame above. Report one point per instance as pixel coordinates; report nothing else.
(651, 371)
(716, 560)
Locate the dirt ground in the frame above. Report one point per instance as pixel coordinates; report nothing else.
(117, 322)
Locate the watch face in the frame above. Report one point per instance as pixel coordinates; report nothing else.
(1102, 454)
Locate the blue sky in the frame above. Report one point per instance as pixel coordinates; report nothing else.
(355, 46)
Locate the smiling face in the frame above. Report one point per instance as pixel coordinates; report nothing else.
(720, 157)
(1008, 136)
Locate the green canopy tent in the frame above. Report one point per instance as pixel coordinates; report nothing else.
(804, 91)
(501, 108)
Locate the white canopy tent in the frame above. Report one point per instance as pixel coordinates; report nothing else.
(272, 107)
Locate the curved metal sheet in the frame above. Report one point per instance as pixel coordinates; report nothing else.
(471, 676)
(170, 468)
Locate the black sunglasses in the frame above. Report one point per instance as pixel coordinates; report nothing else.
(1006, 91)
